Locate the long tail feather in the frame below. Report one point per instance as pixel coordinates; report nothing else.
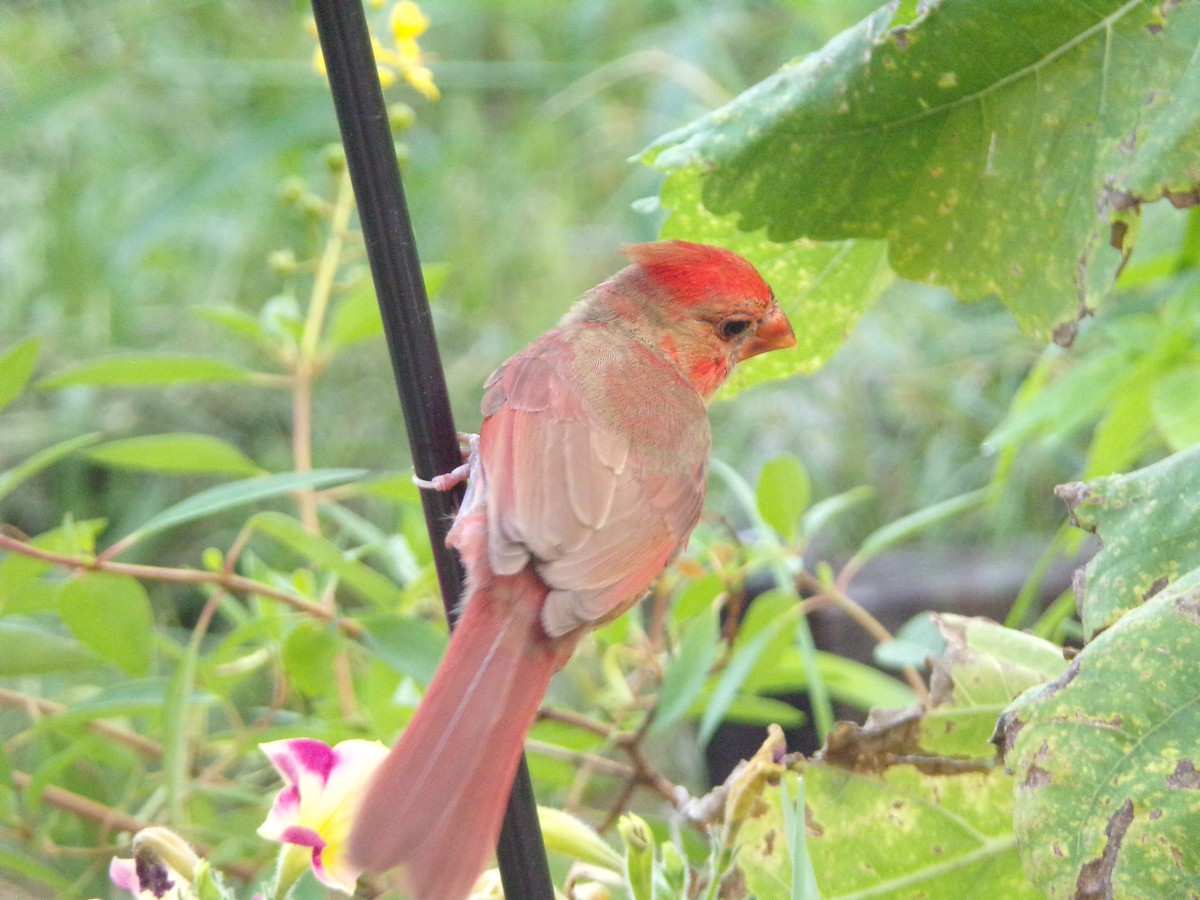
(436, 804)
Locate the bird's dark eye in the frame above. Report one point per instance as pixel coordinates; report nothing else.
(732, 327)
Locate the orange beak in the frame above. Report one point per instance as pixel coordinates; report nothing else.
(774, 333)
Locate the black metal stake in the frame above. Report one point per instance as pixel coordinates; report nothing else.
(408, 325)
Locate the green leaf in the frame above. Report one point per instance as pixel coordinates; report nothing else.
(356, 317)
(143, 697)
(909, 526)
(985, 662)
(827, 287)
(1125, 433)
(236, 321)
(697, 596)
(29, 648)
(915, 641)
(111, 614)
(1175, 404)
(1063, 405)
(688, 669)
(993, 144)
(748, 709)
(924, 782)
(175, 453)
(242, 493)
(825, 511)
(740, 666)
(929, 835)
(783, 493)
(16, 367)
(860, 685)
(1146, 521)
(1106, 760)
(354, 574)
(412, 647)
(308, 654)
(177, 727)
(41, 460)
(145, 370)
(984, 667)
(24, 585)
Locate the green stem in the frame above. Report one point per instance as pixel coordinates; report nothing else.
(818, 691)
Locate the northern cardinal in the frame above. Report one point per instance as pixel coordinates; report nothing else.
(588, 478)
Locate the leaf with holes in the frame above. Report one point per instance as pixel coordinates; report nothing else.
(1146, 521)
(996, 146)
(1107, 763)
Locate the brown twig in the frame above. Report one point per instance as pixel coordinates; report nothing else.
(109, 818)
(225, 579)
(637, 773)
(832, 595)
(39, 706)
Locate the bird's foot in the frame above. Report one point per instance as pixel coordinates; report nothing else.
(469, 444)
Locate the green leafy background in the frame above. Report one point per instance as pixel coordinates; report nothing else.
(993, 144)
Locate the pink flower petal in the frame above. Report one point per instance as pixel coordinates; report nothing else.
(300, 756)
(123, 873)
(302, 837)
(324, 786)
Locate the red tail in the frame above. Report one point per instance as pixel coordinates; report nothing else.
(436, 804)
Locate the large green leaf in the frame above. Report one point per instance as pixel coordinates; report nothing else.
(915, 803)
(111, 614)
(1147, 521)
(984, 666)
(175, 453)
(1107, 762)
(896, 833)
(823, 287)
(997, 146)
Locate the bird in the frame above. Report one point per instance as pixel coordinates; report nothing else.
(585, 482)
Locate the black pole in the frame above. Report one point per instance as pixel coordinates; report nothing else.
(408, 326)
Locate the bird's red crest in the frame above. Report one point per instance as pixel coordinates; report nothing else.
(693, 272)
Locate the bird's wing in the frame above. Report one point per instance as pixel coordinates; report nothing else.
(579, 498)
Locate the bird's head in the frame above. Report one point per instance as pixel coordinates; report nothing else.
(705, 308)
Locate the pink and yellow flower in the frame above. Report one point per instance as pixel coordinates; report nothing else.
(313, 813)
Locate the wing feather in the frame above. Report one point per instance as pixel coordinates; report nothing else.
(596, 512)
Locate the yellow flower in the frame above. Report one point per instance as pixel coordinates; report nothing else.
(421, 80)
(408, 22)
(404, 60)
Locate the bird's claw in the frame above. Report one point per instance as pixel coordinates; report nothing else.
(469, 444)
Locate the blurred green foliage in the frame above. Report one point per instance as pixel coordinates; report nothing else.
(168, 186)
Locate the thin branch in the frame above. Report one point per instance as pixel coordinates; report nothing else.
(307, 364)
(226, 580)
(110, 818)
(831, 595)
(579, 758)
(42, 707)
(577, 720)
